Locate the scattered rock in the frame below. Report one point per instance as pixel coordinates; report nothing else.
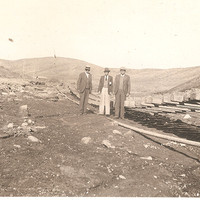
(122, 177)
(146, 145)
(147, 158)
(117, 132)
(18, 146)
(114, 123)
(25, 131)
(129, 134)
(183, 175)
(33, 139)
(10, 125)
(39, 126)
(86, 140)
(23, 111)
(107, 144)
(24, 124)
(150, 146)
(4, 93)
(187, 116)
(11, 131)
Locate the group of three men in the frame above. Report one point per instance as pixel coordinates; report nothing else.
(120, 88)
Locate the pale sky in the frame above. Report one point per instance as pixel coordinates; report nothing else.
(109, 33)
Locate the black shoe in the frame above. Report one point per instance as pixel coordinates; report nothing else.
(116, 117)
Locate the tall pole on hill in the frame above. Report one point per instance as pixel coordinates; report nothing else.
(54, 53)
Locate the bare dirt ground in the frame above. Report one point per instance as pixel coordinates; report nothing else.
(87, 155)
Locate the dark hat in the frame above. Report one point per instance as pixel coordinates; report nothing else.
(87, 67)
(122, 69)
(106, 70)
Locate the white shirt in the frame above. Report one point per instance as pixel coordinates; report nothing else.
(87, 74)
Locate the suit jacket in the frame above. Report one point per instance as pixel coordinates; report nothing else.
(82, 80)
(110, 84)
(126, 84)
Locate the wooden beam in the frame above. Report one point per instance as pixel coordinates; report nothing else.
(177, 139)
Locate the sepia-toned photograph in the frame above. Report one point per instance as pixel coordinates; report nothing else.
(100, 98)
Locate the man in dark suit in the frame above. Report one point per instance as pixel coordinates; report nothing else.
(84, 87)
(105, 89)
(122, 87)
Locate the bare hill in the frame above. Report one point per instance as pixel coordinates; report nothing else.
(193, 83)
(6, 73)
(144, 81)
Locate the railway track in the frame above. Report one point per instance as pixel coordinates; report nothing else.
(164, 123)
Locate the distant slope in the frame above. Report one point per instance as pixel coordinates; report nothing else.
(6, 73)
(143, 81)
(193, 83)
(61, 68)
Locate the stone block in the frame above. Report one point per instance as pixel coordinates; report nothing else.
(157, 99)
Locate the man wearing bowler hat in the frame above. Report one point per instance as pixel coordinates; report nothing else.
(122, 87)
(84, 87)
(105, 89)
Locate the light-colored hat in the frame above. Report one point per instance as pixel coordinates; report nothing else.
(122, 69)
(106, 70)
(87, 67)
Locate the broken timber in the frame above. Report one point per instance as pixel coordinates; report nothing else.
(185, 141)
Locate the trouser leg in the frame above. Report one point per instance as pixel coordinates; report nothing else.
(81, 104)
(122, 104)
(107, 102)
(117, 104)
(86, 96)
(101, 106)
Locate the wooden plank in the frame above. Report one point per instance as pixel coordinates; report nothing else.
(177, 139)
(175, 108)
(193, 105)
(161, 109)
(188, 107)
(148, 104)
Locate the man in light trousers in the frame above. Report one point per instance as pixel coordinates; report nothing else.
(105, 89)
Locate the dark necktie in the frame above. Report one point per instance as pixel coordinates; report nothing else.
(106, 78)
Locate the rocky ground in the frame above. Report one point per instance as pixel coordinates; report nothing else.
(47, 149)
